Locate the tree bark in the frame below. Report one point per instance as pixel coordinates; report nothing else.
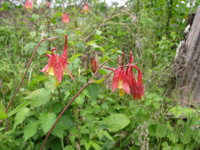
(187, 65)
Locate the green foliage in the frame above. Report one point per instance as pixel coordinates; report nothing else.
(96, 119)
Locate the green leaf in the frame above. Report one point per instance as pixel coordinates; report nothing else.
(89, 116)
(95, 145)
(156, 105)
(158, 130)
(2, 106)
(3, 115)
(98, 32)
(116, 122)
(69, 147)
(93, 91)
(60, 127)
(196, 135)
(80, 99)
(40, 96)
(108, 136)
(59, 31)
(35, 16)
(29, 47)
(99, 81)
(185, 135)
(47, 120)
(75, 56)
(30, 130)
(20, 117)
(87, 146)
(18, 108)
(80, 46)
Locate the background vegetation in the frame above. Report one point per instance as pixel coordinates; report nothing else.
(97, 119)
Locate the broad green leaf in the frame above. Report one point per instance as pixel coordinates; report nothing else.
(3, 115)
(40, 96)
(80, 46)
(116, 122)
(89, 116)
(35, 16)
(59, 31)
(30, 130)
(158, 130)
(156, 105)
(20, 116)
(87, 146)
(93, 91)
(29, 47)
(47, 120)
(98, 32)
(2, 106)
(196, 135)
(18, 108)
(80, 99)
(185, 135)
(2, 128)
(60, 127)
(51, 85)
(69, 147)
(95, 145)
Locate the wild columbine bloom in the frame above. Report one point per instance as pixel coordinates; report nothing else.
(28, 5)
(95, 63)
(85, 8)
(125, 80)
(119, 80)
(136, 86)
(65, 17)
(56, 65)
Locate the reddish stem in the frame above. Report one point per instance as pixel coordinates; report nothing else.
(75, 98)
(63, 112)
(23, 75)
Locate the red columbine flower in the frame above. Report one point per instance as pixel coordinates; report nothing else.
(65, 17)
(136, 86)
(95, 63)
(28, 5)
(119, 80)
(85, 8)
(56, 65)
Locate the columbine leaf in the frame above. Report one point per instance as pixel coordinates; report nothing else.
(30, 130)
(47, 120)
(116, 122)
(21, 116)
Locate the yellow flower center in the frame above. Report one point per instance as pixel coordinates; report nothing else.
(120, 84)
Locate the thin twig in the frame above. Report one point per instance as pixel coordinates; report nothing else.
(23, 76)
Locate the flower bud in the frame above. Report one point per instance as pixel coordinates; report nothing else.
(95, 63)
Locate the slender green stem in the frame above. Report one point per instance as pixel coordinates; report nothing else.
(23, 76)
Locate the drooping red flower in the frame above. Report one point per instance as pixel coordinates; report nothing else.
(85, 8)
(65, 17)
(119, 80)
(125, 80)
(56, 65)
(136, 86)
(95, 63)
(28, 5)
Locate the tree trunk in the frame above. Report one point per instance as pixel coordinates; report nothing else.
(187, 64)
